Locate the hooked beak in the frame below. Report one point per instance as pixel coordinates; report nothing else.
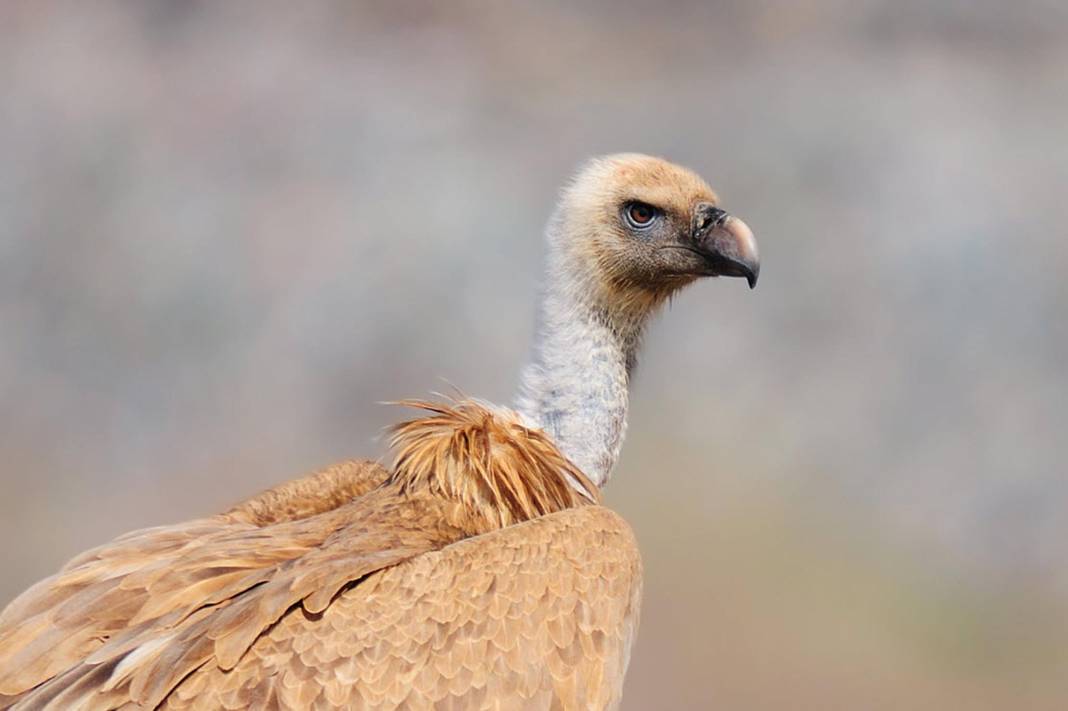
(726, 243)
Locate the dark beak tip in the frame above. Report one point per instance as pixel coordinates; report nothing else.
(751, 276)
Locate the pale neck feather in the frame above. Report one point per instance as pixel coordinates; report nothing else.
(575, 385)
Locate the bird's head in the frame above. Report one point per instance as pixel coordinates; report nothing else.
(640, 228)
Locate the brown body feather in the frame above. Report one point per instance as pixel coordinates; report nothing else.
(352, 587)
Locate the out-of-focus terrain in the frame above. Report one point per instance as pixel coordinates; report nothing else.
(228, 230)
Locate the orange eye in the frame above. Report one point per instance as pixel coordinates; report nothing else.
(639, 214)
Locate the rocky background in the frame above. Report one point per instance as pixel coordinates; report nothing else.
(228, 230)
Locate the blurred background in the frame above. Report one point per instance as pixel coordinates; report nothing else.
(228, 230)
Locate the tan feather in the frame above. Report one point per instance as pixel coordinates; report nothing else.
(487, 460)
(131, 621)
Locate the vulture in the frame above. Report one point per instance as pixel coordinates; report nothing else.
(479, 571)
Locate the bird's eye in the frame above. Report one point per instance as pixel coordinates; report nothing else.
(639, 215)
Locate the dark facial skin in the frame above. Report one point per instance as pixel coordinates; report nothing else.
(668, 248)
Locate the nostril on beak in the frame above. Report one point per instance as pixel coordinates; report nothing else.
(709, 216)
(726, 243)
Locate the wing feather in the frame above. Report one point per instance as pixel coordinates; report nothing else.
(155, 578)
(473, 576)
(535, 616)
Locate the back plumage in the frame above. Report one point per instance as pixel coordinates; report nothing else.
(157, 609)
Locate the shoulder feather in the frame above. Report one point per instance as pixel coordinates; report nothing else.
(130, 621)
(488, 460)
